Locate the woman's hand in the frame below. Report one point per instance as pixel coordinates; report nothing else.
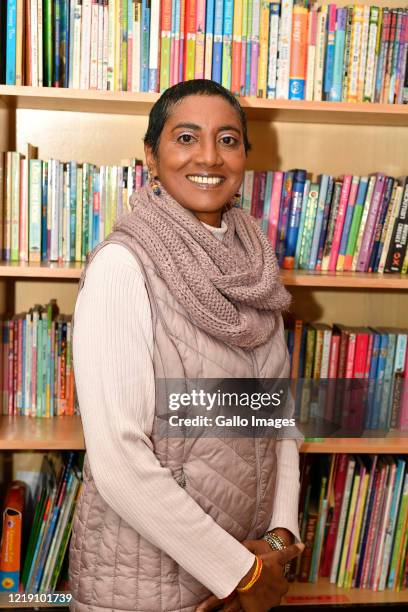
(267, 592)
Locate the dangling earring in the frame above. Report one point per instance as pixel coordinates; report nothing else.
(154, 184)
(236, 200)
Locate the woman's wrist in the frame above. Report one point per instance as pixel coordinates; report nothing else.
(286, 535)
(245, 579)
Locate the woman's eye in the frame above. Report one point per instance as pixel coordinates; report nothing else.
(185, 138)
(228, 140)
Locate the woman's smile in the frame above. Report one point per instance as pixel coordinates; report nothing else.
(206, 181)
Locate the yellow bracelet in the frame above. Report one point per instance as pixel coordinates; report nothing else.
(255, 576)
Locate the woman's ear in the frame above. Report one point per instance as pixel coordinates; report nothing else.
(150, 160)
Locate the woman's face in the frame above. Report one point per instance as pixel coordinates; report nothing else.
(201, 155)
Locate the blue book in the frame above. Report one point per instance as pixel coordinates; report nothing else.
(324, 184)
(326, 216)
(227, 43)
(347, 221)
(330, 48)
(209, 24)
(72, 210)
(379, 383)
(336, 89)
(11, 42)
(382, 57)
(217, 46)
(57, 42)
(299, 179)
(388, 380)
(248, 49)
(44, 209)
(267, 201)
(284, 210)
(144, 51)
(378, 245)
(65, 42)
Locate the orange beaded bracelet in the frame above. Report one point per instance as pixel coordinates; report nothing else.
(255, 576)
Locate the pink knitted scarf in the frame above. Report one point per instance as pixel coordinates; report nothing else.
(230, 289)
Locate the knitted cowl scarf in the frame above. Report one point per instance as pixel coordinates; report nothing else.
(230, 289)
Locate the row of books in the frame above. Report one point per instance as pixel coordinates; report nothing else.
(55, 211)
(352, 377)
(36, 375)
(353, 520)
(288, 50)
(34, 548)
(357, 223)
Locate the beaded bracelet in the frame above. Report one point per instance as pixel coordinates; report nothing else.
(255, 576)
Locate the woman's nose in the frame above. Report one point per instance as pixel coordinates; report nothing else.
(208, 154)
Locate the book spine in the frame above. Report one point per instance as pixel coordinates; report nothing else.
(320, 53)
(263, 50)
(298, 57)
(284, 50)
(154, 46)
(363, 53)
(209, 37)
(398, 243)
(339, 224)
(85, 43)
(11, 42)
(347, 223)
(372, 217)
(335, 92)
(227, 41)
(355, 51)
(274, 20)
(371, 51)
(330, 50)
(311, 53)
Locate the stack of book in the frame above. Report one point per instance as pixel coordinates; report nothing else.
(58, 490)
(55, 211)
(367, 370)
(288, 50)
(353, 521)
(36, 373)
(357, 223)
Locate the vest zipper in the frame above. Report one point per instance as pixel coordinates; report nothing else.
(256, 447)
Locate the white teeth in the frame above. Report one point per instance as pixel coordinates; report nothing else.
(206, 180)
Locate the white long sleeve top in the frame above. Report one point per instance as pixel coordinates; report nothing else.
(112, 350)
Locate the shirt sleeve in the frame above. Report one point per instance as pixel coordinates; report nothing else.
(112, 350)
(285, 509)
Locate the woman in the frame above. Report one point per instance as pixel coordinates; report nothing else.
(185, 287)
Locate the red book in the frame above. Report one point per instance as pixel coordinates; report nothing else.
(274, 207)
(255, 193)
(339, 482)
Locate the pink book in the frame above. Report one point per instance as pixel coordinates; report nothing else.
(254, 68)
(338, 228)
(243, 64)
(20, 381)
(379, 550)
(371, 223)
(130, 56)
(200, 40)
(369, 355)
(403, 419)
(274, 207)
(10, 381)
(175, 58)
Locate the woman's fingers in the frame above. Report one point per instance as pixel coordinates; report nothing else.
(211, 603)
(233, 606)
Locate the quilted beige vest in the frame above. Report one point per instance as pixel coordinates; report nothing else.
(111, 567)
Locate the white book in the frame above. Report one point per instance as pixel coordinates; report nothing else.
(54, 224)
(369, 82)
(342, 520)
(35, 211)
(154, 45)
(111, 44)
(76, 68)
(40, 42)
(105, 59)
(388, 235)
(34, 43)
(85, 43)
(247, 190)
(23, 238)
(72, 7)
(324, 366)
(100, 46)
(60, 205)
(137, 29)
(93, 70)
(66, 235)
(284, 46)
(102, 203)
(363, 52)
(320, 53)
(356, 34)
(272, 56)
(311, 54)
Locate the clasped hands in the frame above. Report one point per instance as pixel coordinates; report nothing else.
(267, 591)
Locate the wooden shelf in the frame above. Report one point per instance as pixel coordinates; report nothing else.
(124, 102)
(346, 280)
(324, 593)
(291, 278)
(37, 433)
(65, 433)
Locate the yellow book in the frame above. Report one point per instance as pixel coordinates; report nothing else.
(356, 33)
(347, 535)
(357, 529)
(263, 49)
(116, 65)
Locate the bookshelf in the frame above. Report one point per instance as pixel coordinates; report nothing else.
(286, 133)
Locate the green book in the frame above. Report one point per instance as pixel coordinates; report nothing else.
(85, 210)
(307, 230)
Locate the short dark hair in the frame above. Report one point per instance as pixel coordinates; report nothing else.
(162, 108)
